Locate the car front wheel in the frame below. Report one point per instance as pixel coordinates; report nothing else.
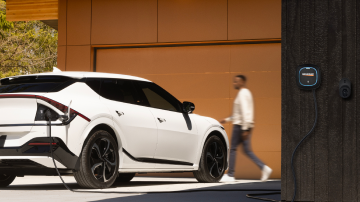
(212, 162)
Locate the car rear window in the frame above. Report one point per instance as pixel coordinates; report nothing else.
(35, 84)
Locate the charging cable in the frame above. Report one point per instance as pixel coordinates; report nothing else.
(292, 161)
(292, 157)
(48, 115)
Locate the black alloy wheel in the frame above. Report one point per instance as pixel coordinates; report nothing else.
(103, 160)
(213, 161)
(99, 161)
(6, 179)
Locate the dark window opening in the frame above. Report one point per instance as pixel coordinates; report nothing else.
(119, 90)
(159, 98)
(35, 84)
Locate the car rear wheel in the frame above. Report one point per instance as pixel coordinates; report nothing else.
(125, 177)
(212, 162)
(6, 179)
(99, 161)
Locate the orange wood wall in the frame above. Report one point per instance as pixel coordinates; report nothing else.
(24, 10)
(202, 74)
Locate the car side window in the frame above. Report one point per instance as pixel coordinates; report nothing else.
(94, 84)
(119, 90)
(159, 98)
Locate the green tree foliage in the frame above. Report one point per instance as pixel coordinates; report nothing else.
(26, 47)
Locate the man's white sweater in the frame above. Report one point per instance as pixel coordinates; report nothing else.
(243, 110)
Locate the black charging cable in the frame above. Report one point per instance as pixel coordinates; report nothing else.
(48, 115)
(253, 196)
(292, 162)
(292, 157)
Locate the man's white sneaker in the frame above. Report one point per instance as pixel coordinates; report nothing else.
(227, 178)
(266, 172)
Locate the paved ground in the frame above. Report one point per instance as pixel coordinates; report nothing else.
(41, 188)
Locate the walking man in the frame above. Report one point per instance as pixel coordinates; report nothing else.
(243, 122)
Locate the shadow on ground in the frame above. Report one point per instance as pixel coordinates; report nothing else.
(222, 192)
(59, 186)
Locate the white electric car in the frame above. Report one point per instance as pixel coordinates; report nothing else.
(104, 128)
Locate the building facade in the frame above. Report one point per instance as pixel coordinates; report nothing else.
(192, 48)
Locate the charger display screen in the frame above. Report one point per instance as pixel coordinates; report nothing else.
(308, 76)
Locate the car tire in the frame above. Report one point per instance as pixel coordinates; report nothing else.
(6, 179)
(99, 161)
(212, 162)
(125, 177)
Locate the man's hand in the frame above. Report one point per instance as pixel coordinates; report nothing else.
(222, 121)
(245, 134)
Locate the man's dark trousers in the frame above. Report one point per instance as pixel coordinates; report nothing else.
(236, 140)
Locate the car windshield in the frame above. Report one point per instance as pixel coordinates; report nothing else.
(34, 84)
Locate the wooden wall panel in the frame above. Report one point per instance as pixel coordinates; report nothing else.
(307, 116)
(78, 58)
(199, 59)
(284, 107)
(292, 99)
(123, 21)
(357, 94)
(78, 22)
(200, 20)
(247, 57)
(62, 25)
(349, 117)
(335, 179)
(61, 59)
(254, 19)
(321, 138)
(25, 10)
(321, 32)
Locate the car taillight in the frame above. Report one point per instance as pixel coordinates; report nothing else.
(41, 114)
(62, 107)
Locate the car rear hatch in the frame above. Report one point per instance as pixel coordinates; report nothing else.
(18, 105)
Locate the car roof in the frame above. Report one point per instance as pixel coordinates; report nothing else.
(74, 74)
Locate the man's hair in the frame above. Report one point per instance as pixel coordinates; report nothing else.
(241, 77)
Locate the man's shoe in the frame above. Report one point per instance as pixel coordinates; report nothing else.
(266, 172)
(227, 178)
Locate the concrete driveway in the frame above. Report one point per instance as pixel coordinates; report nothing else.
(49, 188)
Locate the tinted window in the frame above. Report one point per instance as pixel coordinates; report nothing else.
(35, 84)
(94, 83)
(119, 90)
(158, 97)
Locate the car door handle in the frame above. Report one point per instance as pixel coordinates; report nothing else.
(120, 113)
(161, 120)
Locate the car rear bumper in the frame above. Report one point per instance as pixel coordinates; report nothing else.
(35, 154)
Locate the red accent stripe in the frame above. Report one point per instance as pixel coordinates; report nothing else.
(17, 96)
(41, 143)
(84, 117)
(58, 105)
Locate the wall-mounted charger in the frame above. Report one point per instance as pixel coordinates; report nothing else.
(345, 88)
(308, 76)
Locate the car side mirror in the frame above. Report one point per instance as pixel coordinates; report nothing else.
(188, 107)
